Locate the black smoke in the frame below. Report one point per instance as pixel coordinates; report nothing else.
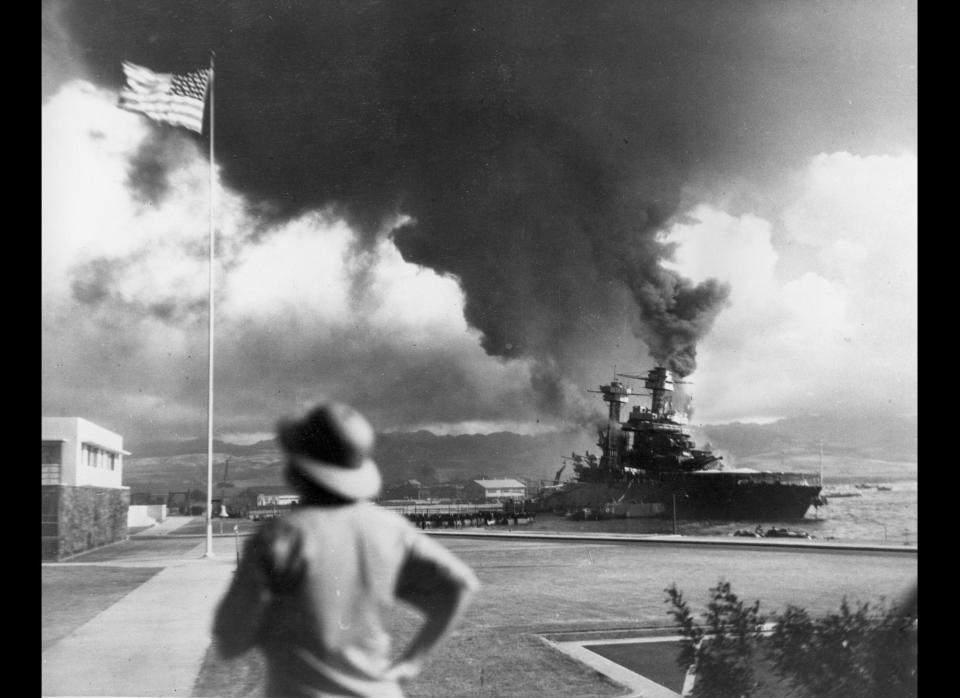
(538, 147)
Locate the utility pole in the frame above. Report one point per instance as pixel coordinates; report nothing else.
(674, 513)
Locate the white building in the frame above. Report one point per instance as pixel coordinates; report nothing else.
(84, 502)
(80, 453)
(281, 500)
(494, 490)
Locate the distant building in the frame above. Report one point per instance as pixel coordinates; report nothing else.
(265, 496)
(494, 490)
(280, 500)
(407, 489)
(84, 503)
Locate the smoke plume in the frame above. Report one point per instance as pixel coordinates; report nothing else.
(535, 161)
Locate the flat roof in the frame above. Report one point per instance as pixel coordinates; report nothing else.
(499, 483)
(105, 448)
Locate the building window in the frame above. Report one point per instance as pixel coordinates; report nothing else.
(50, 452)
(50, 462)
(50, 474)
(96, 457)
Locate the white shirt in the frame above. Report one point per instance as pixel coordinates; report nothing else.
(312, 587)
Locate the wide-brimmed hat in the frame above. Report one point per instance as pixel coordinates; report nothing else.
(331, 447)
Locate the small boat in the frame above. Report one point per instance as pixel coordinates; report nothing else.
(830, 494)
(785, 533)
(748, 533)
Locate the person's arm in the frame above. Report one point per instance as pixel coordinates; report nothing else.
(441, 586)
(240, 616)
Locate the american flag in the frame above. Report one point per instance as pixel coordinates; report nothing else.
(172, 98)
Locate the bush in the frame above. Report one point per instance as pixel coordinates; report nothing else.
(723, 651)
(856, 653)
(861, 652)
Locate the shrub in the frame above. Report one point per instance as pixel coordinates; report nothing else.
(861, 652)
(856, 652)
(723, 652)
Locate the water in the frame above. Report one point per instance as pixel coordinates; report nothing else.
(878, 516)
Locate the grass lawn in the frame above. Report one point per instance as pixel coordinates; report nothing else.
(70, 596)
(533, 588)
(488, 662)
(220, 526)
(658, 662)
(132, 547)
(655, 660)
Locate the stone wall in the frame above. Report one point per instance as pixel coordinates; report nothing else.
(87, 518)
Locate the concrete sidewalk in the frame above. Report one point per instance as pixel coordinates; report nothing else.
(150, 643)
(171, 523)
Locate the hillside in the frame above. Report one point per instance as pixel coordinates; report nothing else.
(867, 436)
(859, 448)
(182, 466)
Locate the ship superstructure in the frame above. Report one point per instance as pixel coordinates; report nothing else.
(650, 461)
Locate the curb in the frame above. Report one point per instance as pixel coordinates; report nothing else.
(800, 545)
(633, 538)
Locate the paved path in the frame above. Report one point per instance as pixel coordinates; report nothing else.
(639, 686)
(151, 642)
(171, 523)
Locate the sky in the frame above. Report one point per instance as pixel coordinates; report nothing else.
(463, 216)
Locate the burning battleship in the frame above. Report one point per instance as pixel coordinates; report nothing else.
(649, 466)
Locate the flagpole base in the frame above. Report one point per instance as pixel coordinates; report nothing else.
(209, 551)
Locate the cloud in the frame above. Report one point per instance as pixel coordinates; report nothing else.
(305, 308)
(840, 335)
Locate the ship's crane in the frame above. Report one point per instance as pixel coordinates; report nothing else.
(226, 471)
(556, 478)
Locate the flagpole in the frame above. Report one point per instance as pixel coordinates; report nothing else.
(209, 552)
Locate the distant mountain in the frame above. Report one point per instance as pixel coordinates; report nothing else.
(868, 436)
(857, 447)
(158, 467)
(425, 455)
(156, 449)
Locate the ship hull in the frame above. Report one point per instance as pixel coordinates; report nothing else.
(699, 495)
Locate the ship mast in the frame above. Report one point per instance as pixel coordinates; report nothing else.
(659, 382)
(615, 394)
(821, 462)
